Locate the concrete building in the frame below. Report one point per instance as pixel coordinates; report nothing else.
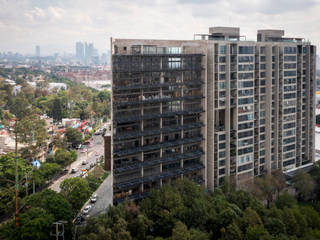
(209, 108)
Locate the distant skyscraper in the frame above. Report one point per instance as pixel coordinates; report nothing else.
(79, 52)
(38, 51)
(89, 50)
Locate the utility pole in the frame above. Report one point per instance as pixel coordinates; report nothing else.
(16, 178)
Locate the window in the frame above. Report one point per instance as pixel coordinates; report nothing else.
(245, 67)
(174, 50)
(290, 73)
(263, 66)
(174, 63)
(149, 49)
(290, 50)
(223, 49)
(243, 59)
(246, 50)
(245, 84)
(245, 117)
(242, 76)
(290, 58)
(243, 101)
(222, 85)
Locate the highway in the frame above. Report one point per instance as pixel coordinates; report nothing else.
(93, 151)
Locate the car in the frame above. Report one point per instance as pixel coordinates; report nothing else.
(91, 165)
(80, 219)
(93, 198)
(84, 162)
(86, 209)
(74, 170)
(83, 150)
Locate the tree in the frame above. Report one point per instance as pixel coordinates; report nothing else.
(257, 232)
(76, 191)
(285, 200)
(63, 157)
(56, 110)
(35, 224)
(73, 136)
(180, 232)
(46, 171)
(232, 232)
(303, 184)
(265, 188)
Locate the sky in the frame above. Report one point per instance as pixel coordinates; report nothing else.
(56, 25)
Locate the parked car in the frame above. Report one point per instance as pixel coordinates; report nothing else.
(80, 219)
(74, 170)
(86, 209)
(91, 165)
(93, 198)
(84, 162)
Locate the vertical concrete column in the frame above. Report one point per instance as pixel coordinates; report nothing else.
(268, 107)
(277, 160)
(227, 110)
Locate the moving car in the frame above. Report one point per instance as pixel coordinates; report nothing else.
(86, 209)
(84, 162)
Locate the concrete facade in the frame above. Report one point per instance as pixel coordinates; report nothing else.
(252, 108)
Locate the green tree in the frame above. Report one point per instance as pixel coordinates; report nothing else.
(285, 200)
(232, 232)
(257, 232)
(63, 157)
(53, 202)
(304, 185)
(73, 136)
(76, 191)
(35, 224)
(56, 110)
(180, 232)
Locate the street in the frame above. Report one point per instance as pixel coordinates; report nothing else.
(90, 157)
(104, 198)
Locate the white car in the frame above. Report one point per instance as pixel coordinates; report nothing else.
(86, 209)
(93, 198)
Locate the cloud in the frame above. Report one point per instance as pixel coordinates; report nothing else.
(56, 25)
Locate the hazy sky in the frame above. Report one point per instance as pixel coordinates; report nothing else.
(56, 25)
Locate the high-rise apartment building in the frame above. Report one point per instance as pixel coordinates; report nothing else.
(209, 108)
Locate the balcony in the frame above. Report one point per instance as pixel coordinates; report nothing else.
(169, 173)
(132, 118)
(158, 146)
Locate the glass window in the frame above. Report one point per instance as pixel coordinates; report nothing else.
(246, 49)
(223, 49)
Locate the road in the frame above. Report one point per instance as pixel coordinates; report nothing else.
(97, 147)
(104, 198)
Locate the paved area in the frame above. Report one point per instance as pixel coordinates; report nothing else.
(91, 157)
(104, 198)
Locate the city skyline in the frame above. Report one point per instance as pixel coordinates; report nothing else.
(57, 25)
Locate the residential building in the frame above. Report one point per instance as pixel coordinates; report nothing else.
(209, 108)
